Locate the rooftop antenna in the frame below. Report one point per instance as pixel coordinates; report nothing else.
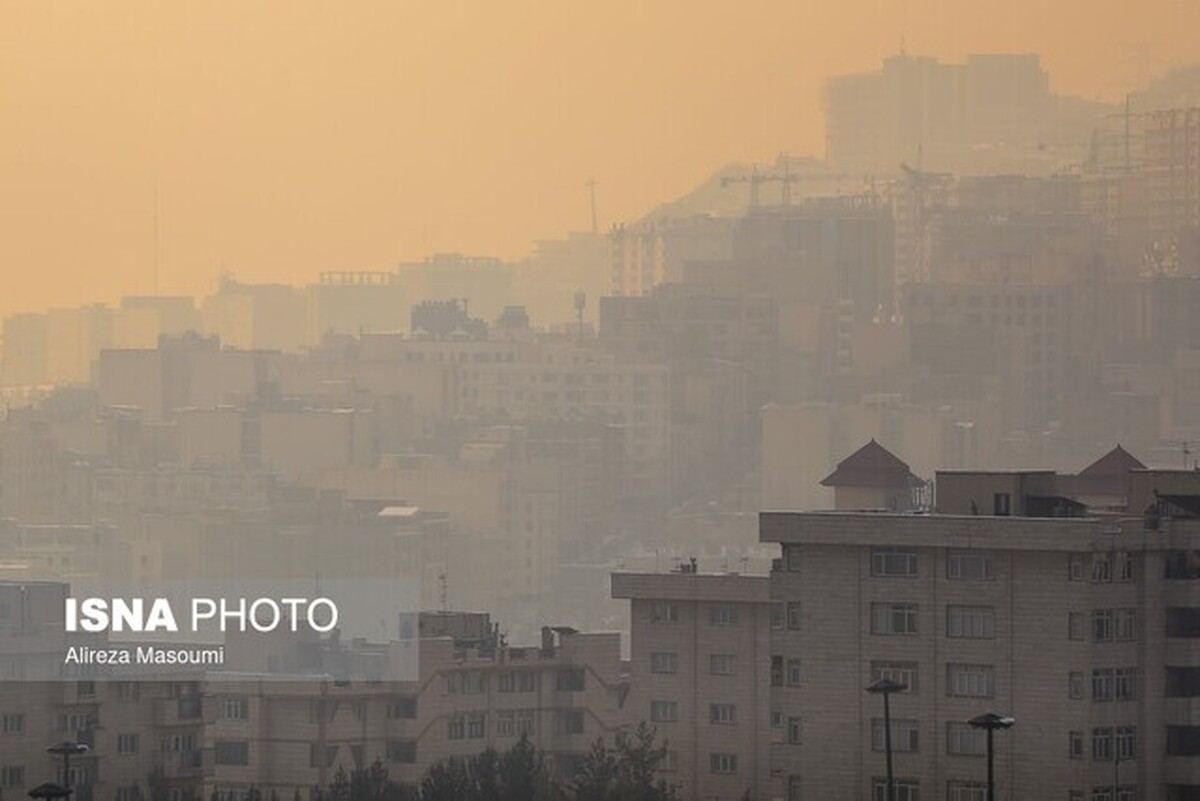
(591, 185)
(1187, 452)
(444, 592)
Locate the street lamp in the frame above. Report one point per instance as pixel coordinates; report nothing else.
(49, 792)
(990, 722)
(67, 749)
(886, 687)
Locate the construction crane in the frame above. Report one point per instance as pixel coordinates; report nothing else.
(785, 178)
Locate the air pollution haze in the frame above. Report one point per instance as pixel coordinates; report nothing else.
(156, 146)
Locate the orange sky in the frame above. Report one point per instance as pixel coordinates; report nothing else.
(286, 137)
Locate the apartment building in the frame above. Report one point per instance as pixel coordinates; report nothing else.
(1012, 597)
(699, 674)
(220, 735)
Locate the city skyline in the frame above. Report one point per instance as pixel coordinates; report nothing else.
(147, 147)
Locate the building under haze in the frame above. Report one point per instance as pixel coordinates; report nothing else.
(1011, 596)
(994, 113)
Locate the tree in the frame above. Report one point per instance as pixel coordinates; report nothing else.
(363, 784)
(522, 774)
(628, 771)
(446, 781)
(596, 779)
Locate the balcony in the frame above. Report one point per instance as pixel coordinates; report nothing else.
(186, 764)
(184, 711)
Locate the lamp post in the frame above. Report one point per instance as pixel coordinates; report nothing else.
(67, 749)
(990, 722)
(49, 792)
(886, 687)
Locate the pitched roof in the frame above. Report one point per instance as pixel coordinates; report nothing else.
(1118, 461)
(1108, 475)
(872, 465)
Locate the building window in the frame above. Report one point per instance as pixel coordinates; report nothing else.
(12, 723)
(793, 729)
(1127, 793)
(1074, 625)
(904, 735)
(12, 776)
(1076, 567)
(794, 674)
(791, 554)
(127, 743)
(971, 622)
(1075, 745)
(664, 662)
(893, 618)
(778, 614)
(722, 713)
(722, 665)
(570, 680)
(664, 711)
(456, 728)
(506, 724)
(474, 682)
(776, 671)
(1125, 684)
(793, 791)
(129, 792)
(1102, 625)
(894, 562)
(966, 791)
(969, 566)
(1102, 745)
(1001, 504)
(402, 708)
(900, 672)
(128, 691)
(669, 763)
(963, 739)
(525, 724)
(793, 615)
(906, 790)
(1102, 684)
(231, 752)
(1123, 569)
(235, 708)
(722, 763)
(664, 612)
(321, 756)
(970, 681)
(722, 614)
(1101, 568)
(402, 751)
(517, 681)
(1126, 742)
(1075, 685)
(1124, 625)
(571, 721)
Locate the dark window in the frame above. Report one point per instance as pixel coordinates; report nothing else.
(1183, 740)
(1183, 682)
(1183, 622)
(232, 752)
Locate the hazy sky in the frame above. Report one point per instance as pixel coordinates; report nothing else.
(282, 138)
